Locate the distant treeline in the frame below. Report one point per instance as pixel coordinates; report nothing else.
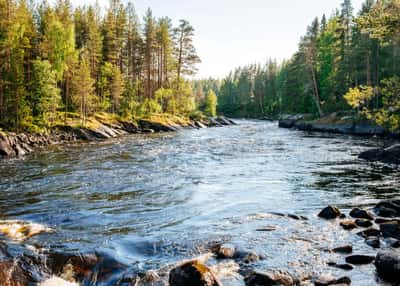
(343, 62)
(58, 61)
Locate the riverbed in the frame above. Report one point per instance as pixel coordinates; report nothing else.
(152, 200)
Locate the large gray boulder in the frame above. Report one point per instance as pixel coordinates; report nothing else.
(387, 265)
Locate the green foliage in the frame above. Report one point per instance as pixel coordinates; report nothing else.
(165, 98)
(387, 111)
(149, 107)
(211, 104)
(83, 96)
(46, 95)
(81, 59)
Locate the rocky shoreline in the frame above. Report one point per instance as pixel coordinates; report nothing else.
(17, 145)
(346, 125)
(334, 123)
(378, 227)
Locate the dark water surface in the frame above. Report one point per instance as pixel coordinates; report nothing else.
(150, 200)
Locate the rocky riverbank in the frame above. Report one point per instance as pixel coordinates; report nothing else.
(17, 145)
(378, 227)
(334, 123)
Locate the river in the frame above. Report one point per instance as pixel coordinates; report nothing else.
(151, 200)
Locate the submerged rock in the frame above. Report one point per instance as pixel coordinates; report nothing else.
(343, 249)
(389, 155)
(388, 209)
(369, 232)
(373, 242)
(390, 229)
(277, 278)
(326, 280)
(330, 212)
(345, 266)
(226, 251)
(363, 223)
(193, 273)
(360, 213)
(359, 259)
(387, 264)
(348, 224)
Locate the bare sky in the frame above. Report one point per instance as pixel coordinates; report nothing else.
(230, 33)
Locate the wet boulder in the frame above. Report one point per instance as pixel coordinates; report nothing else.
(374, 242)
(222, 120)
(388, 209)
(390, 229)
(369, 232)
(330, 212)
(193, 273)
(389, 155)
(226, 251)
(363, 223)
(346, 249)
(361, 214)
(359, 259)
(348, 224)
(277, 278)
(387, 264)
(5, 147)
(84, 267)
(326, 280)
(11, 273)
(344, 266)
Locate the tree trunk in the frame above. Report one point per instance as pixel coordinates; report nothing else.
(316, 92)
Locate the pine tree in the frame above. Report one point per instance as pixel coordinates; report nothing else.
(185, 52)
(149, 48)
(211, 104)
(83, 95)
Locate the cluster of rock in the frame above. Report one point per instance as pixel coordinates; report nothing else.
(380, 229)
(16, 145)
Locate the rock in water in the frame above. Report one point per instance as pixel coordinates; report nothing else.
(343, 249)
(387, 264)
(226, 251)
(388, 208)
(12, 274)
(369, 232)
(363, 223)
(330, 212)
(326, 280)
(348, 224)
(390, 229)
(359, 259)
(359, 213)
(192, 273)
(373, 242)
(269, 279)
(390, 155)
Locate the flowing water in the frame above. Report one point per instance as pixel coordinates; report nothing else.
(151, 200)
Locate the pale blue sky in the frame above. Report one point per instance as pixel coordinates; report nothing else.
(230, 33)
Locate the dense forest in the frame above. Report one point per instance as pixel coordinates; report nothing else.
(57, 62)
(343, 63)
